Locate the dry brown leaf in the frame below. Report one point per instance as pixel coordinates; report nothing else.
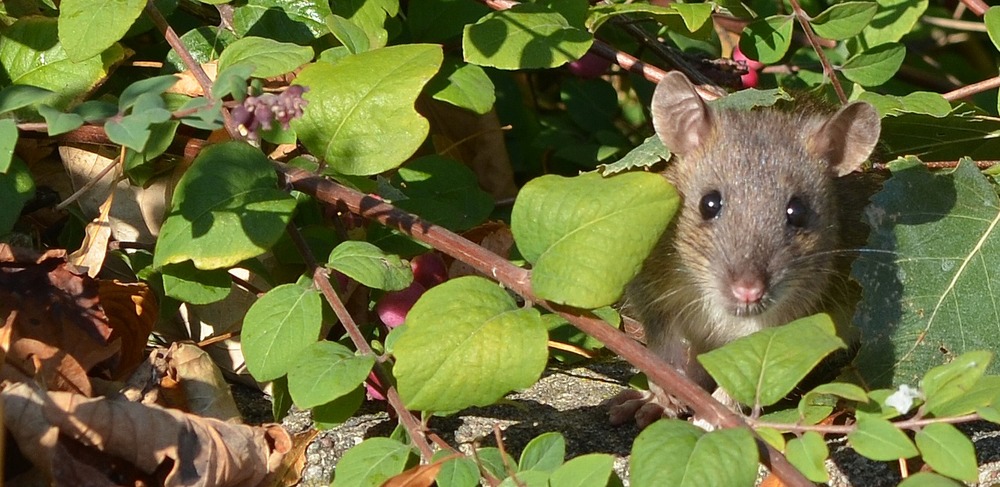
(205, 390)
(289, 473)
(137, 213)
(188, 85)
(30, 359)
(184, 449)
(94, 249)
(419, 476)
(132, 313)
(53, 304)
(493, 236)
(475, 140)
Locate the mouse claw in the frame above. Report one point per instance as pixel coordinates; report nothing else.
(643, 407)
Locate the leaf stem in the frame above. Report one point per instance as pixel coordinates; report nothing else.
(199, 74)
(803, 19)
(321, 279)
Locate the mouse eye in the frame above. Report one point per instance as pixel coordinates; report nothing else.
(797, 212)
(710, 205)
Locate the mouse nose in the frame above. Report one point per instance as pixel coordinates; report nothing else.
(748, 290)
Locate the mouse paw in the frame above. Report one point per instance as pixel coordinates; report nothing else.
(643, 407)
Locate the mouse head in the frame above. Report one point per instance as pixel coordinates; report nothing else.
(759, 217)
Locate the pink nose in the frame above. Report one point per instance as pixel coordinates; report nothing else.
(748, 291)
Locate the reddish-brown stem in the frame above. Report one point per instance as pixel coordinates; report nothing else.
(199, 74)
(322, 281)
(972, 89)
(803, 19)
(518, 280)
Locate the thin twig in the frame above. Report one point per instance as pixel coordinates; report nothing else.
(322, 280)
(518, 280)
(803, 19)
(199, 74)
(90, 184)
(972, 89)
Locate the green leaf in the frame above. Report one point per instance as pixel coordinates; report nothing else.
(8, 140)
(694, 14)
(602, 12)
(370, 266)
(444, 192)
(750, 98)
(837, 389)
(992, 21)
(87, 27)
(16, 188)
(948, 451)
(764, 367)
(893, 20)
(185, 283)
(880, 440)
(875, 66)
(440, 20)
(494, 461)
(984, 393)
(772, 437)
(204, 43)
(925, 271)
(140, 167)
(544, 452)
(371, 463)
(767, 40)
(591, 104)
(843, 20)
(226, 208)
(679, 454)
(598, 244)
(457, 472)
(351, 36)
(530, 478)
(59, 122)
(325, 371)
(463, 85)
(299, 22)
(208, 116)
(928, 479)
(278, 328)
(269, 58)
(94, 110)
(467, 343)
(149, 87)
(360, 116)
(990, 414)
(19, 96)
(339, 410)
(31, 54)
(525, 36)
(808, 454)
(953, 380)
(370, 15)
(592, 470)
(649, 152)
(131, 131)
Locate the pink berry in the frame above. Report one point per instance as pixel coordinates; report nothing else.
(429, 269)
(752, 64)
(589, 66)
(393, 306)
(373, 388)
(342, 280)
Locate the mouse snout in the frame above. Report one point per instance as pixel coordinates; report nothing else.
(748, 290)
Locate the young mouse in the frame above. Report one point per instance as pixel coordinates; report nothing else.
(754, 241)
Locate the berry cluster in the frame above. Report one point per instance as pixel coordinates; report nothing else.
(259, 112)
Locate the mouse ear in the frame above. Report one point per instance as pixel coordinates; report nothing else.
(847, 139)
(681, 118)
